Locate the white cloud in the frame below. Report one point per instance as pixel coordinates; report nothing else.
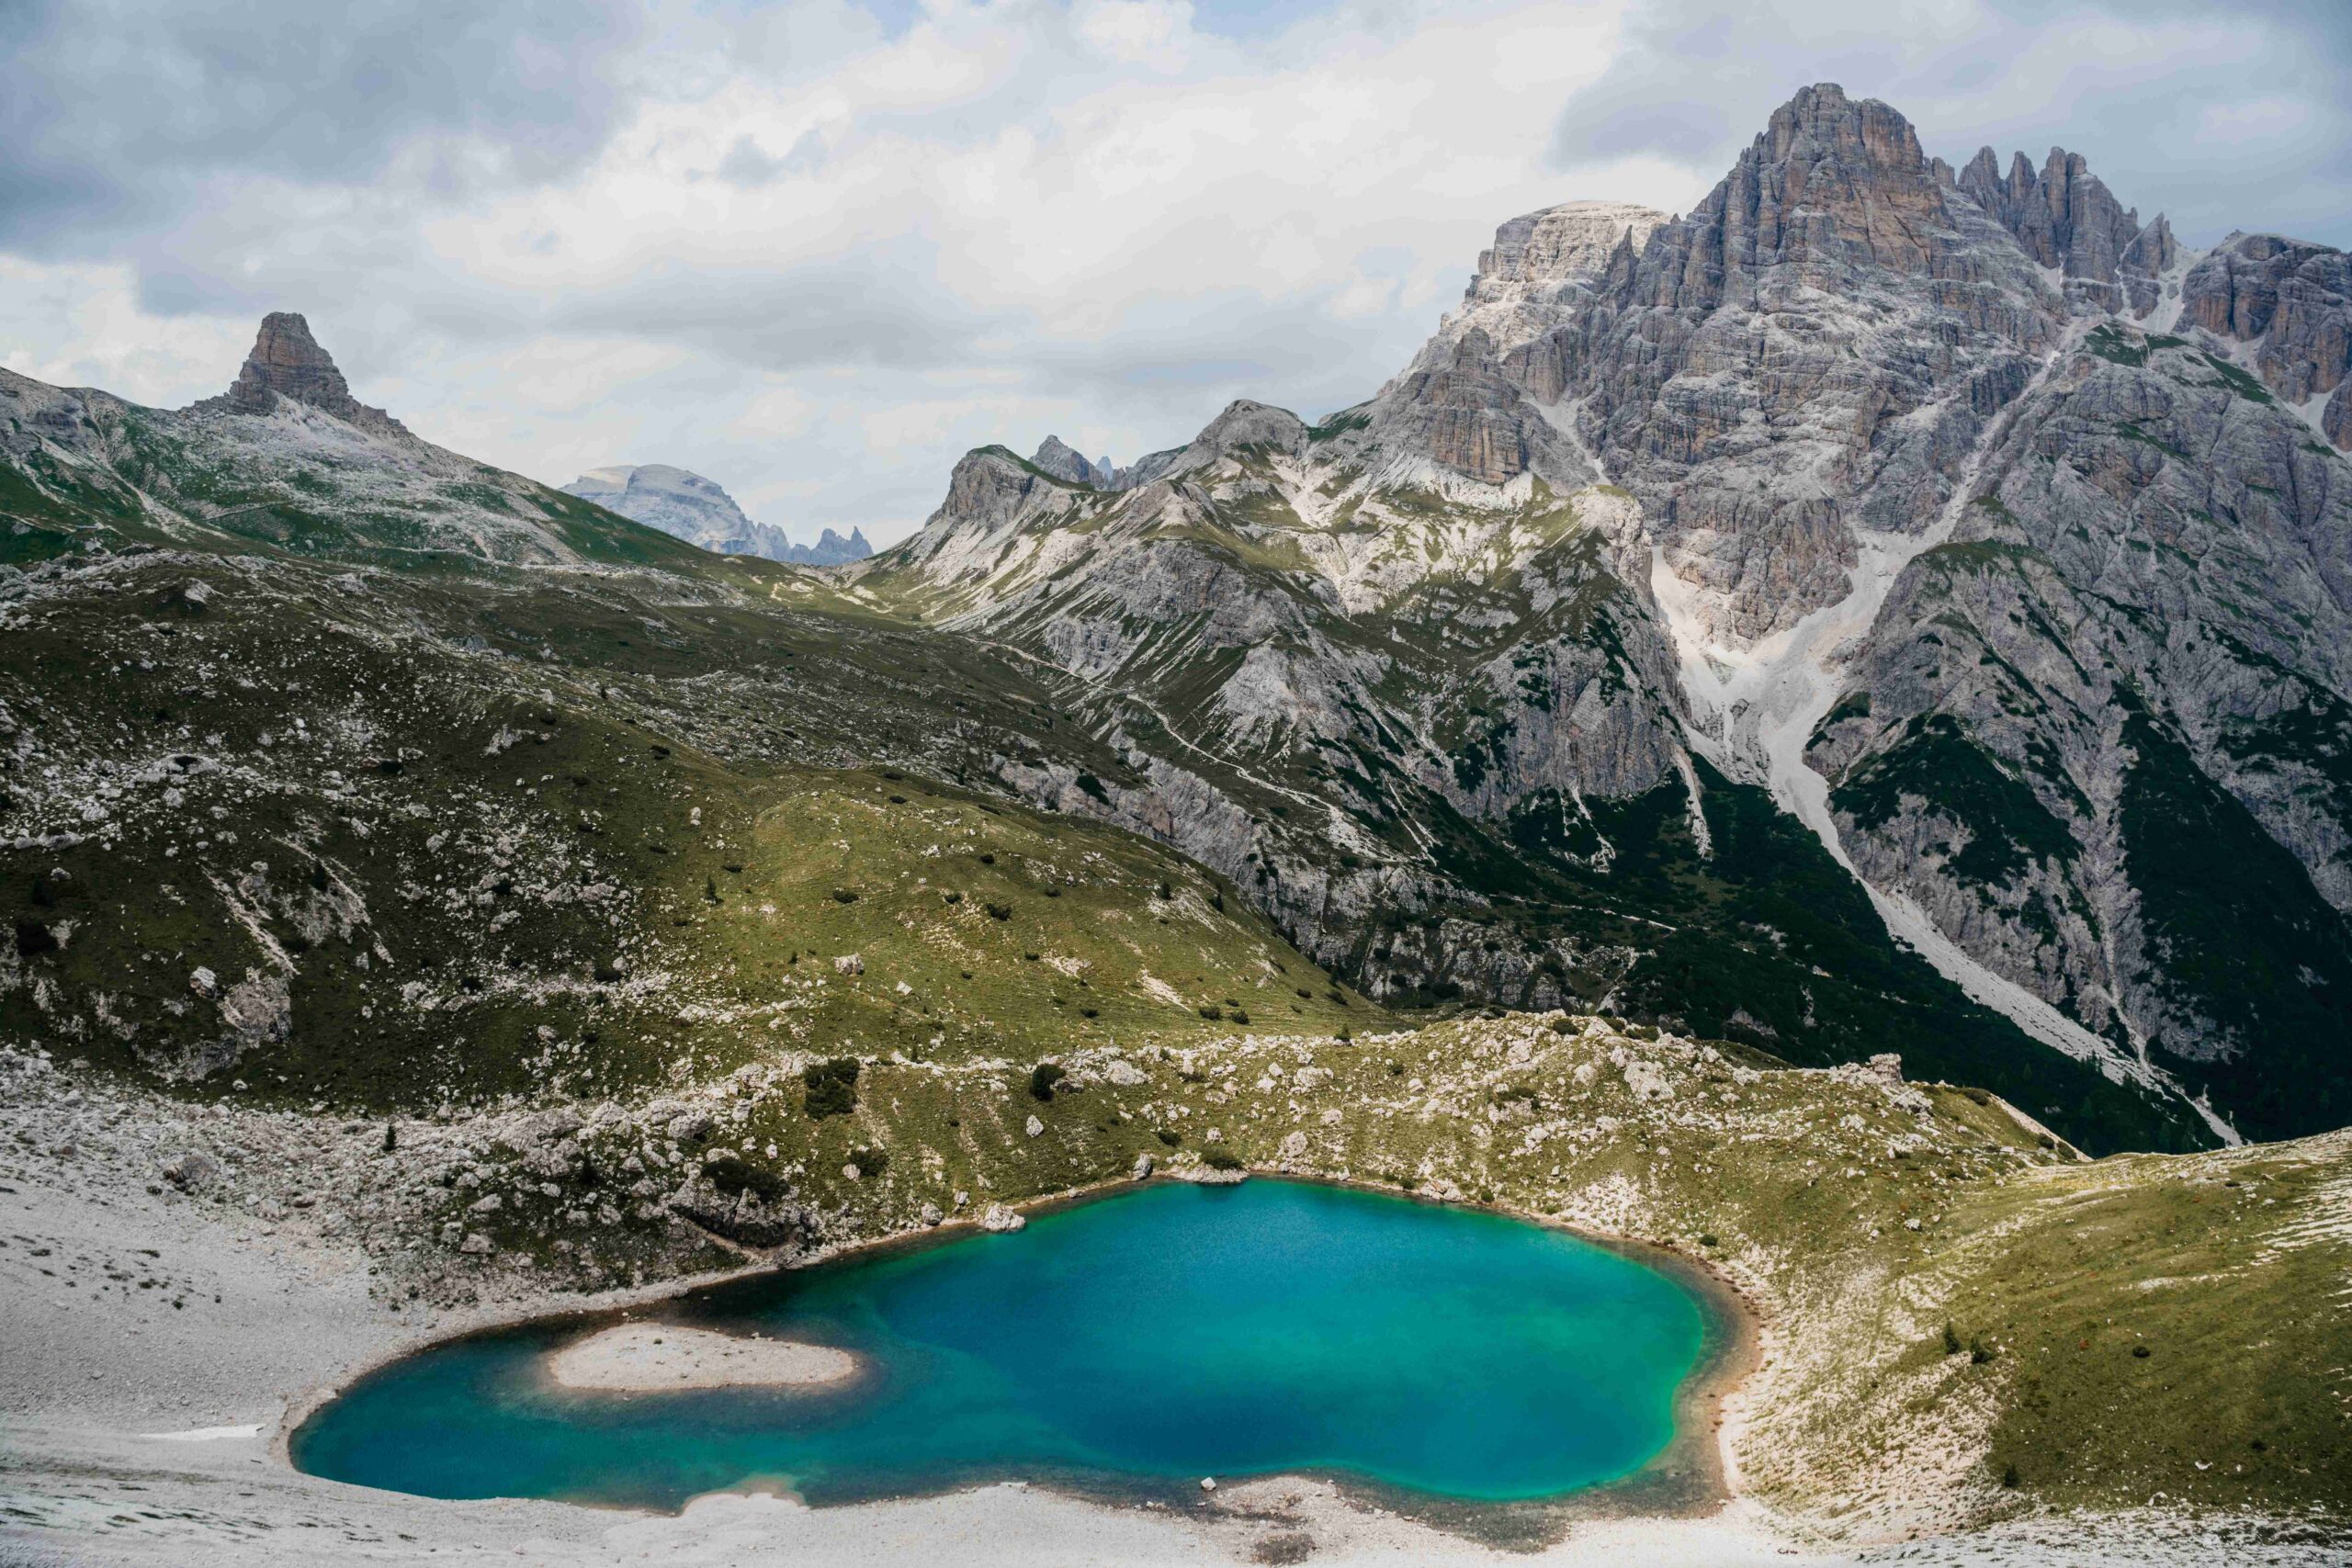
(817, 261)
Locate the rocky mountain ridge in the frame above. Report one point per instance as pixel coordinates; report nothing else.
(1768, 458)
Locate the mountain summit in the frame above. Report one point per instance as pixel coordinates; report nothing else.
(286, 362)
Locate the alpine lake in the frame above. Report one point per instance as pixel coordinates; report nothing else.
(1123, 1346)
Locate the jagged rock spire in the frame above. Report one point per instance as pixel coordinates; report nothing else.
(2065, 217)
(286, 362)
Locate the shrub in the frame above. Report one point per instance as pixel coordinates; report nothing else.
(1951, 1338)
(1170, 1136)
(1978, 1351)
(1217, 1157)
(830, 1086)
(2009, 1477)
(1165, 891)
(734, 1174)
(1042, 1079)
(1213, 1013)
(998, 911)
(1240, 1017)
(1707, 1238)
(951, 897)
(34, 938)
(844, 895)
(710, 889)
(870, 1163)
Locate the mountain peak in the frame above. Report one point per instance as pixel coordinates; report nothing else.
(1063, 461)
(685, 505)
(286, 362)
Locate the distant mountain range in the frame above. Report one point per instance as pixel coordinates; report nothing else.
(687, 506)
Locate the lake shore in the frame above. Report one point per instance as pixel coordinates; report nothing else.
(138, 1433)
(180, 1442)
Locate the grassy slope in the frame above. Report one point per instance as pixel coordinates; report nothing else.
(468, 878)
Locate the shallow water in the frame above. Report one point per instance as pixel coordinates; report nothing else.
(1168, 1332)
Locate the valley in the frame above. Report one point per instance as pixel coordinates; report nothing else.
(1807, 734)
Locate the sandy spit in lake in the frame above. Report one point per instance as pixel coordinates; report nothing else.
(648, 1357)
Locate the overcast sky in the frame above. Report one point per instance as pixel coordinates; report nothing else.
(817, 251)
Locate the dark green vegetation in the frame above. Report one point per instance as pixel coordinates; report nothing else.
(2006, 828)
(1766, 940)
(2244, 936)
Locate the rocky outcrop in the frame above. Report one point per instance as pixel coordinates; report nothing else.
(286, 362)
(2291, 302)
(1543, 254)
(1065, 462)
(2064, 217)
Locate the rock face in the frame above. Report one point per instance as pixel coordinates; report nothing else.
(2291, 302)
(1865, 473)
(286, 362)
(1065, 463)
(687, 506)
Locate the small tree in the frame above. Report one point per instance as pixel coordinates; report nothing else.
(1042, 1079)
(830, 1087)
(1951, 1338)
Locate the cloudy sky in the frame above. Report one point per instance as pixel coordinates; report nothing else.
(816, 250)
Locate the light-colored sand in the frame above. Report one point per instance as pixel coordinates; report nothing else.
(642, 1358)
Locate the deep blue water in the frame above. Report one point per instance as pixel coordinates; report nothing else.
(1166, 1333)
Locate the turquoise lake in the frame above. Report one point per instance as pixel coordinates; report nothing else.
(1148, 1339)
